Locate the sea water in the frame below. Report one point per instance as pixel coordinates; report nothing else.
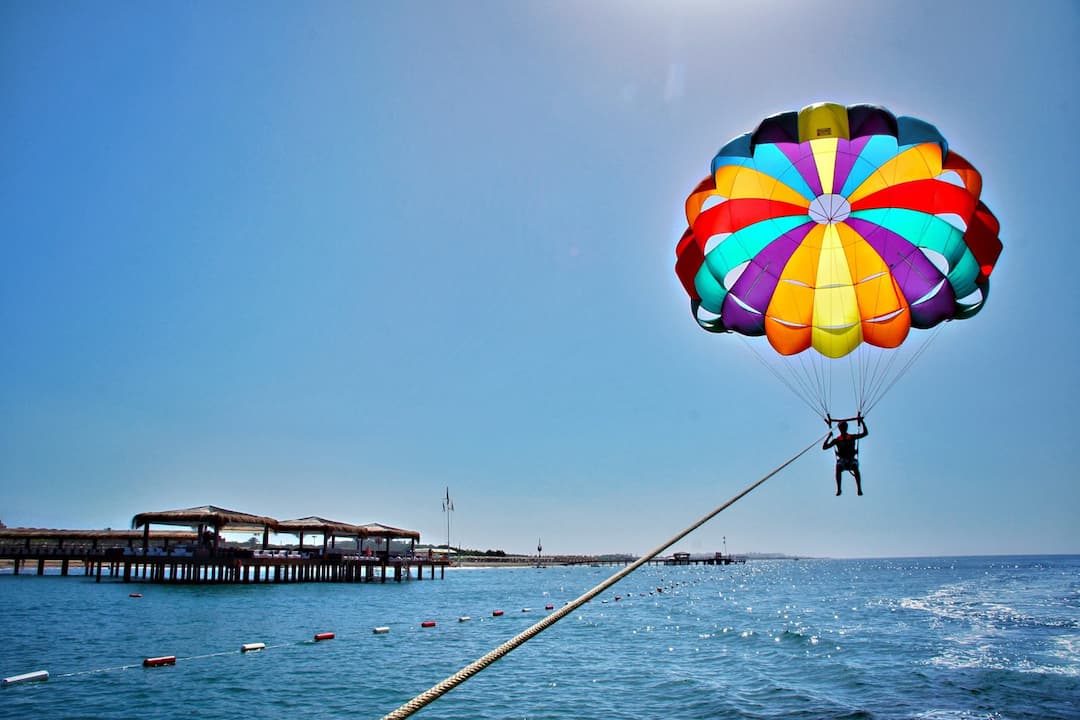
(934, 638)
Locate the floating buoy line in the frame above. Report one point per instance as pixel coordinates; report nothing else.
(169, 661)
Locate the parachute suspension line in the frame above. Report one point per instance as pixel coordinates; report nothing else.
(863, 373)
(812, 377)
(871, 373)
(907, 366)
(804, 393)
(473, 668)
(878, 377)
(803, 370)
(888, 377)
(856, 370)
(823, 378)
(877, 365)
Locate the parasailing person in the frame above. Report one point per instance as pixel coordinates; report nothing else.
(846, 447)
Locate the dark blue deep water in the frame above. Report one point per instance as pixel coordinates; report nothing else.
(934, 638)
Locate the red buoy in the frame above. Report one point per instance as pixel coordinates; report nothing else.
(136, 595)
(549, 607)
(428, 623)
(323, 636)
(497, 613)
(159, 661)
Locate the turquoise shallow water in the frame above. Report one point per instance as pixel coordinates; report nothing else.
(937, 638)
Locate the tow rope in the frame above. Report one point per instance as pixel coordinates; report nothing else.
(476, 666)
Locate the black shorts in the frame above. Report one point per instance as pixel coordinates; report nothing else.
(848, 464)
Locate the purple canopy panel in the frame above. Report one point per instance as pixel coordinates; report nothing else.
(936, 309)
(802, 157)
(846, 155)
(913, 271)
(758, 281)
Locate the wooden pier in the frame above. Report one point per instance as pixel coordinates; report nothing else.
(373, 553)
(238, 567)
(685, 558)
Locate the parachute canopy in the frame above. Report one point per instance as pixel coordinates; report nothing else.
(835, 226)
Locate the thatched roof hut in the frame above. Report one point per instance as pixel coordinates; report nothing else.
(319, 526)
(206, 516)
(314, 525)
(332, 529)
(380, 530)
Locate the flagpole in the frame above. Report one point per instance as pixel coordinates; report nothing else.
(448, 507)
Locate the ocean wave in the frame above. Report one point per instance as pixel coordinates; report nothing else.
(957, 715)
(981, 606)
(987, 657)
(793, 640)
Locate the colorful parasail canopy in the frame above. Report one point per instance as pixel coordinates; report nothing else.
(835, 226)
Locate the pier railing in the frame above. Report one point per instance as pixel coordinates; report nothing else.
(202, 565)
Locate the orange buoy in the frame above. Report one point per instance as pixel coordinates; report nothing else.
(159, 661)
(323, 636)
(428, 623)
(496, 613)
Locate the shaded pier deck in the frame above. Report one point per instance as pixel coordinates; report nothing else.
(230, 567)
(185, 557)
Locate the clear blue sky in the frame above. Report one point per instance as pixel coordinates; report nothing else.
(329, 258)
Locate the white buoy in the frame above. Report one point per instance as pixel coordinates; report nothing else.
(36, 676)
(526, 609)
(381, 630)
(248, 647)
(464, 618)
